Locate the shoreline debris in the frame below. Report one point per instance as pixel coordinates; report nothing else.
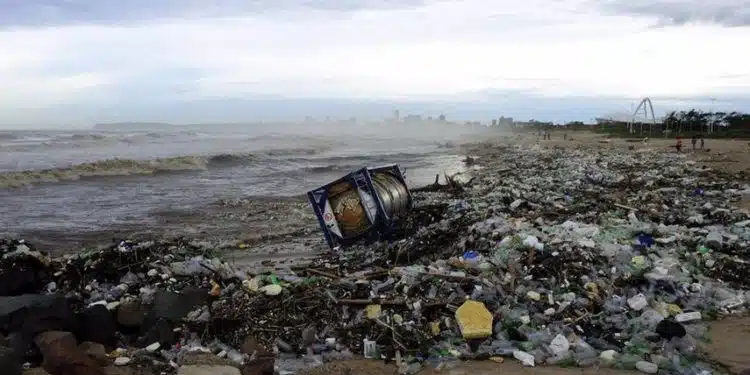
(543, 258)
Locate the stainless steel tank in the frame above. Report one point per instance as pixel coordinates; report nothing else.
(350, 212)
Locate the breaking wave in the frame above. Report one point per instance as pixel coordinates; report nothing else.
(7, 136)
(281, 161)
(120, 167)
(329, 168)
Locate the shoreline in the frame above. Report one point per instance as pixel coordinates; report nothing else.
(526, 189)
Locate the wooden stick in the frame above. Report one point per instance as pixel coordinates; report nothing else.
(321, 273)
(370, 302)
(626, 207)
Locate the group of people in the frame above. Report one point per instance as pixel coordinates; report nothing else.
(694, 140)
(546, 135)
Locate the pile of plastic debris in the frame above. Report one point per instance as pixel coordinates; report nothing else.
(549, 256)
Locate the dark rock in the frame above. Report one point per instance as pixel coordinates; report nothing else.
(175, 306)
(284, 346)
(668, 329)
(97, 324)
(251, 345)
(132, 314)
(36, 371)
(261, 366)
(162, 331)
(128, 370)
(308, 336)
(10, 362)
(23, 346)
(22, 280)
(62, 356)
(32, 314)
(516, 335)
(95, 351)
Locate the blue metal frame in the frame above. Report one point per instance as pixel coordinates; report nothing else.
(361, 179)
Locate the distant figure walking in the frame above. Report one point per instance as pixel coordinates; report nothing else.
(678, 145)
(701, 141)
(694, 140)
(565, 136)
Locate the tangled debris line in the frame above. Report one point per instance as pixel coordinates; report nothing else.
(549, 256)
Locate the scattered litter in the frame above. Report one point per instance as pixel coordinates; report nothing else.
(548, 256)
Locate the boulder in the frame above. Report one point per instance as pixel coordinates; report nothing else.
(261, 366)
(97, 324)
(32, 314)
(62, 356)
(132, 314)
(95, 351)
(10, 363)
(18, 281)
(162, 331)
(175, 306)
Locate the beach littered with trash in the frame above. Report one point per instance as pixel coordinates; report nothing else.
(549, 257)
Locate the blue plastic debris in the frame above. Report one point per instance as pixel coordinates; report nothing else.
(471, 255)
(646, 240)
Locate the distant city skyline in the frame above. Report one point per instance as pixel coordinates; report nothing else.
(557, 110)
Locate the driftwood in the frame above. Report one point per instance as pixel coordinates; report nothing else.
(452, 185)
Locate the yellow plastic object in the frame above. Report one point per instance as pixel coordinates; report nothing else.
(673, 309)
(215, 288)
(474, 320)
(639, 260)
(373, 311)
(435, 328)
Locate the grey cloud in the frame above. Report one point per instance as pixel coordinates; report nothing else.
(730, 13)
(65, 12)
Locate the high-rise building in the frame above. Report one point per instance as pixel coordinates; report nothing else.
(413, 118)
(397, 115)
(441, 118)
(505, 121)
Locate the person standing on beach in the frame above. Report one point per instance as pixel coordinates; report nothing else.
(678, 145)
(693, 140)
(701, 141)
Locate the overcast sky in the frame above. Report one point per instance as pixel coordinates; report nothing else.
(83, 61)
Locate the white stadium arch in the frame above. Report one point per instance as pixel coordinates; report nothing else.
(648, 108)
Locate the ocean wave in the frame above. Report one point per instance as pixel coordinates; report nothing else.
(8, 136)
(298, 151)
(83, 137)
(103, 168)
(130, 167)
(299, 160)
(329, 168)
(367, 159)
(229, 160)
